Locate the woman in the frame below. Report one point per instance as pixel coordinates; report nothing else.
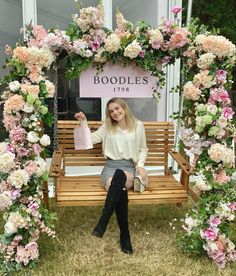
(124, 146)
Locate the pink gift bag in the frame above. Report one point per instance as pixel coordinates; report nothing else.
(82, 138)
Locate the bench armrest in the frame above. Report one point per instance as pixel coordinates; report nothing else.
(181, 161)
(55, 167)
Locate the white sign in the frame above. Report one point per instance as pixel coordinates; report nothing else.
(117, 81)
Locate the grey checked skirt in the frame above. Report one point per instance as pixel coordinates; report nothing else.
(111, 165)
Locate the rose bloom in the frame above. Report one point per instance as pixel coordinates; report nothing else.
(221, 122)
(32, 137)
(191, 92)
(176, 9)
(14, 86)
(221, 76)
(228, 112)
(45, 140)
(214, 221)
(212, 109)
(210, 233)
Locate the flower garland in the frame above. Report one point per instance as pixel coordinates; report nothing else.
(207, 132)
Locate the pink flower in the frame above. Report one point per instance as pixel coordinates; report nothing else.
(232, 255)
(210, 234)
(39, 34)
(21, 151)
(16, 193)
(221, 76)
(176, 9)
(214, 221)
(141, 54)
(37, 148)
(228, 113)
(165, 60)
(232, 206)
(30, 167)
(219, 95)
(18, 134)
(33, 205)
(95, 46)
(11, 121)
(10, 148)
(221, 177)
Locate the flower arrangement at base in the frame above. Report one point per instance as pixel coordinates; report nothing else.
(207, 125)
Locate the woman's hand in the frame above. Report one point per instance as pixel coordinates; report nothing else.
(142, 172)
(80, 116)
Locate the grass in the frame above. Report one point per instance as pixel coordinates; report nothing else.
(76, 252)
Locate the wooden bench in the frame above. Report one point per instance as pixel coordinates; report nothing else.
(86, 190)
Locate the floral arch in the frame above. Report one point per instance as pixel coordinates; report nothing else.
(207, 128)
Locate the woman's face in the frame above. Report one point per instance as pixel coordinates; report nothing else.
(116, 112)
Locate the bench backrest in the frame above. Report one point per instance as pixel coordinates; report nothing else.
(160, 138)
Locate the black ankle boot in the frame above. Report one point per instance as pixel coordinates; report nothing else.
(122, 219)
(113, 197)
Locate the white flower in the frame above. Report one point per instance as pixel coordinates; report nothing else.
(212, 109)
(201, 183)
(14, 86)
(205, 60)
(50, 88)
(18, 178)
(221, 122)
(32, 137)
(15, 221)
(41, 166)
(7, 161)
(27, 108)
(45, 140)
(10, 228)
(3, 147)
(133, 49)
(112, 43)
(5, 200)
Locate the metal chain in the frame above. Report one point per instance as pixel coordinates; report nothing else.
(55, 106)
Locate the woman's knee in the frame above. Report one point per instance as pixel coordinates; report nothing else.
(129, 180)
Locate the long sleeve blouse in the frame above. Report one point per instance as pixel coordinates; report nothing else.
(122, 144)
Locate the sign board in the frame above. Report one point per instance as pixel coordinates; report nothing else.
(116, 81)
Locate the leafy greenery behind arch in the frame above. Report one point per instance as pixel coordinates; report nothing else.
(207, 127)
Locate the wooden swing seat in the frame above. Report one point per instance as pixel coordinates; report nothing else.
(87, 190)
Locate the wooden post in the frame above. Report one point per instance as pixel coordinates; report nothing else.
(45, 194)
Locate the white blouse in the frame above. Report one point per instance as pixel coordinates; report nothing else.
(122, 144)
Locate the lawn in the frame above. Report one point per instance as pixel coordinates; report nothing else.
(76, 252)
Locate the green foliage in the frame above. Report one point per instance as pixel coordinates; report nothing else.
(216, 14)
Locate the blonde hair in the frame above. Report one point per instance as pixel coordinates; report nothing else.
(129, 116)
